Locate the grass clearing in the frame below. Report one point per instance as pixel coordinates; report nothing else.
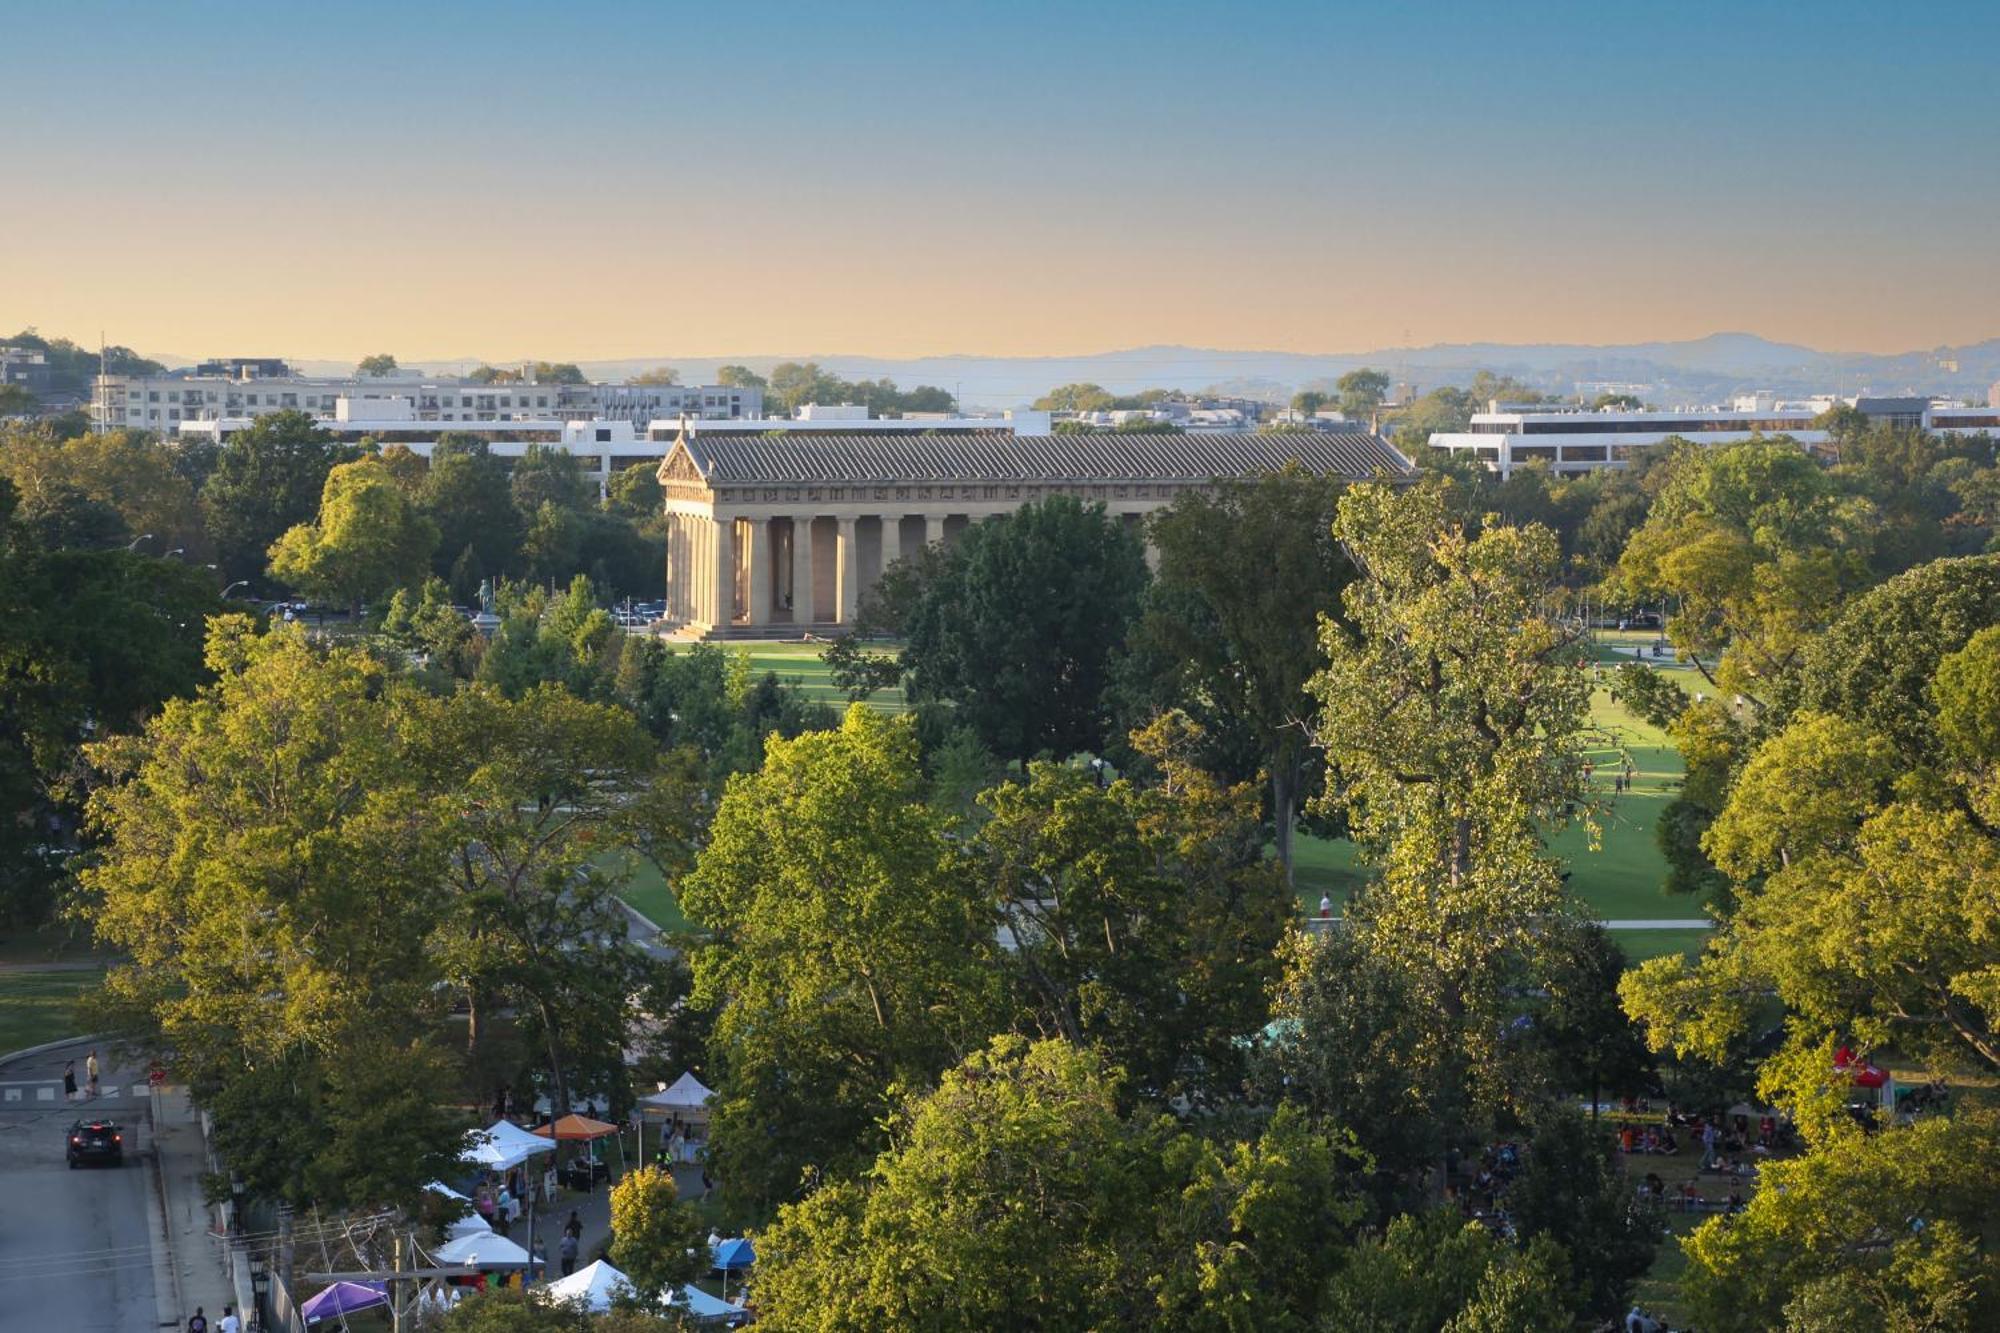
(37, 1007)
(645, 889)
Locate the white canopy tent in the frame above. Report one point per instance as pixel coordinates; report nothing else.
(504, 1144)
(686, 1095)
(472, 1224)
(482, 1249)
(704, 1307)
(594, 1287)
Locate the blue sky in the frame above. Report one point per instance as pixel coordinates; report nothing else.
(609, 179)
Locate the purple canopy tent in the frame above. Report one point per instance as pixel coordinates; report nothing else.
(344, 1298)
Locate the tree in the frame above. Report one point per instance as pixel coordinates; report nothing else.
(268, 478)
(656, 1240)
(540, 786)
(1075, 398)
(466, 491)
(1308, 402)
(557, 372)
(493, 375)
(545, 474)
(552, 547)
(567, 639)
(15, 401)
(1749, 545)
(1572, 1190)
(367, 539)
(850, 952)
(1145, 919)
(1436, 1270)
(1880, 1231)
(794, 384)
(91, 643)
(1452, 707)
(1875, 662)
(1829, 834)
(1246, 571)
(1615, 402)
(634, 492)
(379, 366)
(427, 623)
(1361, 392)
(269, 873)
(739, 377)
(129, 472)
(657, 375)
(1017, 624)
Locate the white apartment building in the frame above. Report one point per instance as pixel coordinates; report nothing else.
(163, 403)
(1578, 440)
(605, 445)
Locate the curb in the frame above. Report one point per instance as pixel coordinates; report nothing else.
(30, 1052)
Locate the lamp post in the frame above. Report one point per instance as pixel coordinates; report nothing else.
(240, 583)
(260, 1288)
(133, 545)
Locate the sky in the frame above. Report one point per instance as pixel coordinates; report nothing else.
(599, 180)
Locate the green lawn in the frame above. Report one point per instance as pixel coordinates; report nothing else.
(37, 1007)
(646, 890)
(799, 664)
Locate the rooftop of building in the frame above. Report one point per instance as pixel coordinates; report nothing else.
(1194, 457)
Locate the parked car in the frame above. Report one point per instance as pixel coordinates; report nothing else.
(95, 1141)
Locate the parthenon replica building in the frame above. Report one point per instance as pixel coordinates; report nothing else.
(777, 536)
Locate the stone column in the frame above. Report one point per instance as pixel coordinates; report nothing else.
(934, 529)
(802, 569)
(698, 571)
(676, 609)
(760, 571)
(892, 539)
(847, 570)
(725, 572)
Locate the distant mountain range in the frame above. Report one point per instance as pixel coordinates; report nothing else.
(1672, 373)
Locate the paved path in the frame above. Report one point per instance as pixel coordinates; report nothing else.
(1662, 923)
(81, 1250)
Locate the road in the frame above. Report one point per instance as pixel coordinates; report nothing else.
(78, 1249)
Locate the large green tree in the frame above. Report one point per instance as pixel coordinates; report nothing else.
(1749, 546)
(466, 492)
(1145, 918)
(270, 871)
(1017, 1195)
(1231, 622)
(849, 950)
(1017, 623)
(367, 539)
(268, 478)
(1452, 711)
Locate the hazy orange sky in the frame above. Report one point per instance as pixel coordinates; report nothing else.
(635, 180)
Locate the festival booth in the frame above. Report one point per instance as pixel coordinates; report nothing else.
(684, 1105)
(732, 1256)
(484, 1250)
(706, 1309)
(502, 1146)
(583, 1172)
(344, 1298)
(592, 1288)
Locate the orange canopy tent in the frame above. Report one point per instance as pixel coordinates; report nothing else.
(575, 1128)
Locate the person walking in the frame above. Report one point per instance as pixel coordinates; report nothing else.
(69, 1081)
(1708, 1138)
(230, 1323)
(197, 1322)
(90, 1081)
(568, 1251)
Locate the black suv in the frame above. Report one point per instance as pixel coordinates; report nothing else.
(96, 1141)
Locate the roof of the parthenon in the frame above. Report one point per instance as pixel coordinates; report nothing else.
(802, 457)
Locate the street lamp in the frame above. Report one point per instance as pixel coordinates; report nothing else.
(178, 550)
(133, 545)
(240, 583)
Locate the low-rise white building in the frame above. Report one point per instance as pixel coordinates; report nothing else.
(162, 403)
(1577, 440)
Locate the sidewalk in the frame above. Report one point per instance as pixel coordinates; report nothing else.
(200, 1269)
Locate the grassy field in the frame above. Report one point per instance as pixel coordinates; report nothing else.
(646, 890)
(799, 664)
(37, 1007)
